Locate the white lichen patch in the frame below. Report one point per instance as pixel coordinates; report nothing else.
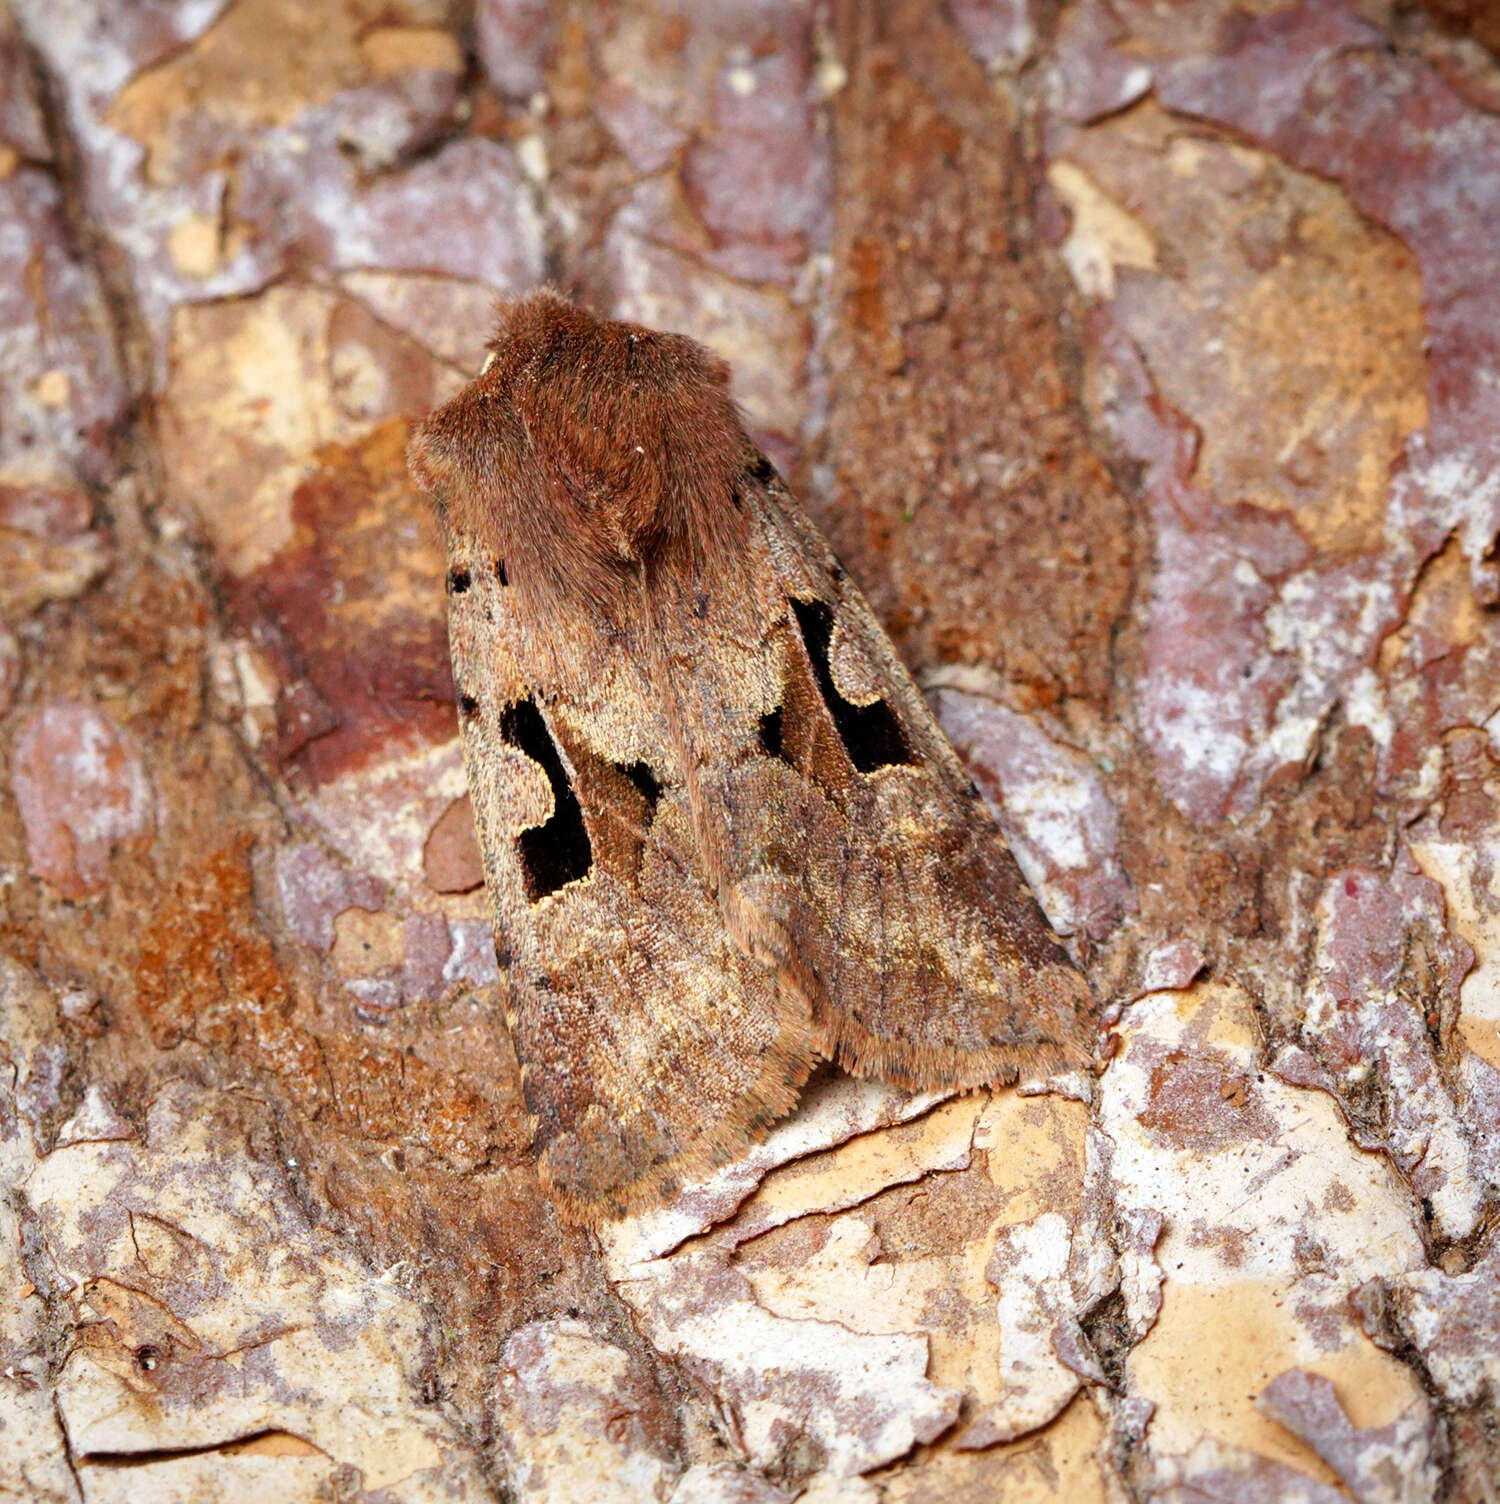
(1270, 1219)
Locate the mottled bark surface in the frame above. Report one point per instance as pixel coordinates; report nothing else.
(1144, 365)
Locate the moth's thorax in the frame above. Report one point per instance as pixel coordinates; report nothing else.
(586, 449)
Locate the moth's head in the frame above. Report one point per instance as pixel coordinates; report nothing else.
(586, 449)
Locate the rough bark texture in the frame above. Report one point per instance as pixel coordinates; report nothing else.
(1144, 364)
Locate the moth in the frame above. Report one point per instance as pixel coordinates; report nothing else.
(722, 834)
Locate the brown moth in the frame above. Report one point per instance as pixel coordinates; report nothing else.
(722, 834)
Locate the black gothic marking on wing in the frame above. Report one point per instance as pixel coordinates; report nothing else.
(556, 852)
(647, 785)
(771, 734)
(871, 734)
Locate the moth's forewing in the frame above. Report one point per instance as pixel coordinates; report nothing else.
(935, 964)
(651, 1047)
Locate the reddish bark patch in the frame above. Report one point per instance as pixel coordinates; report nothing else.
(350, 614)
(1204, 1104)
(206, 971)
(450, 859)
(967, 501)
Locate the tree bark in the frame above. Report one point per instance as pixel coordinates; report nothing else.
(1140, 363)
